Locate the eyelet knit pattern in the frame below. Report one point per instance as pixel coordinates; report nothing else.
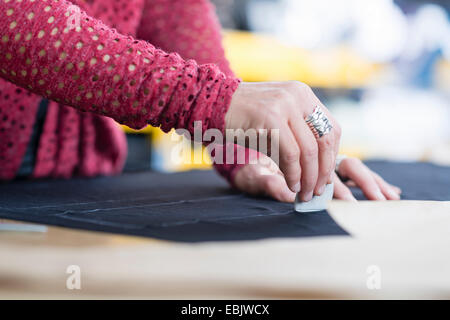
(99, 68)
(192, 30)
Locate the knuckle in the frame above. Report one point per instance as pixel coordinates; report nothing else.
(282, 93)
(291, 156)
(325, 171)
(277, 109)
(326, 142)
(278, 94)
(308, 184)
(297, 89)
(367, 186)
(273, 114)
(350, 163)
(298, 85)
(310, 151)
(354, 161)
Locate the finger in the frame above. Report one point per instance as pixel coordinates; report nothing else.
(336, 130)
(257, 179)
(326, 162)
(363, 177)
(397, 189)
(308, 158)
(341, 191)
(275, 186)
(389, 192)
(290, 159)
(266, 166)
(246, 179)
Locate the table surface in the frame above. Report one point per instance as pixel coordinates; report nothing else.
(407, 241)
(413, 265)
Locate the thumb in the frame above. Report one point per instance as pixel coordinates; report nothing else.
(274, 185)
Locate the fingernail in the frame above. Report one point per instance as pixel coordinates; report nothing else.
(321, 190)
(379, 195)
(308, 196)
(289, 196)
(296, 188)
(396, 189)
(393, 194)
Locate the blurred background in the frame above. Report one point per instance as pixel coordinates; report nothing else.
(381, 66)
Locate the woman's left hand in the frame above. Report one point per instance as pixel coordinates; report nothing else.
(359, 175)
(265, 178)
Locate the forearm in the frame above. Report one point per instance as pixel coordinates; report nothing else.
(96, 69)
(192, 29)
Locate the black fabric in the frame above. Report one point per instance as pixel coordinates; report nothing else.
(29, 159)
(139, 156)
(191, 206)
(419, 180)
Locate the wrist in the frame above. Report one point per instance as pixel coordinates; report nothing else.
(233, 117)
(224, 100)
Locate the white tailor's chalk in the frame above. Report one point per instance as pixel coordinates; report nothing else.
(317, 203)
(19, 227)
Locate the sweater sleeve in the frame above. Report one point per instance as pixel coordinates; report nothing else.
(54, 49)
(191, 28)
(188, 27)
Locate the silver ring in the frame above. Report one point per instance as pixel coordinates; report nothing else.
(319, 123)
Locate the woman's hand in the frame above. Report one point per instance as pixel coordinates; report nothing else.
(372, 185)
(265, 178)
(306, 163)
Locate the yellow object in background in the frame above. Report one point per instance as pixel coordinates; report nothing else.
(257, 57)
(164, 145)
(168, 148)
(443, 75)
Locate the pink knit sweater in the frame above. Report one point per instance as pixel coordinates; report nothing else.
(92, 67)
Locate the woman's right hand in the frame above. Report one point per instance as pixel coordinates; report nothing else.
(265, 178)
(306, 162)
